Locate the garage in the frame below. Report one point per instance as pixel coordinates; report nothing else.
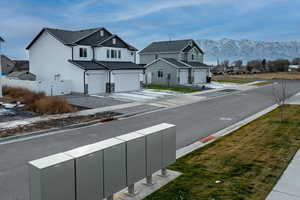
(96, 82)
(199, 76)
(126, 80)
(184, 76)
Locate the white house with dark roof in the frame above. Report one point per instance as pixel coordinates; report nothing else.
(95, 60)
(177, 62)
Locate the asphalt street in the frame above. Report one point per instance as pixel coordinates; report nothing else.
(193, 122)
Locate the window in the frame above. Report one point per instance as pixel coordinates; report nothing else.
(160, 74)
(131, 53)
(102, 33)
(82, 52)
(193, 57)
(107, 53)
(119, 53)
(156, 56)
(114, 41)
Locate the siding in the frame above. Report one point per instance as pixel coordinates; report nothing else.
(167, 69)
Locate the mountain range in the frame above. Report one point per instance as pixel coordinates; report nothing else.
(228, 49)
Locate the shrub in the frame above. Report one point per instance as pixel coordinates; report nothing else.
(37, 101)
(52, 105)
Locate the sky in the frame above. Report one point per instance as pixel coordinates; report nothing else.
(140, 22)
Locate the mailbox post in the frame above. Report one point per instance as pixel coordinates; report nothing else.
(135, 158)
(52, 177)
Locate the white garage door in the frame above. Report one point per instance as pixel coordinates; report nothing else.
(184, 75)
(96, 83)
(127, 81)
(199, 76)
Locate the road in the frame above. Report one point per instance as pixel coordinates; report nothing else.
(193, 122)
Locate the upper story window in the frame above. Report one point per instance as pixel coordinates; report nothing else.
(131, 53)
(101, 33)
(114, 41)
(112, 53)
(156, 56)
(82, 52)
(107, 53)
(193, 57)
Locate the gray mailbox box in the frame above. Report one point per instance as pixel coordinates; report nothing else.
(169, 144)
(89, 171)
(52, 177)
(114, 158)
(135, 158)
(160, 147)
(153, 149)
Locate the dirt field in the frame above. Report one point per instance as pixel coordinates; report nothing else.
(265, 76)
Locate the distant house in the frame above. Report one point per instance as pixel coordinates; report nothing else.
(178, 62)
(22, 75)
(7, 65)
(94, 60)
(294, 68)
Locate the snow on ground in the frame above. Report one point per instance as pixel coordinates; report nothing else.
(144, 95)
(217, 85)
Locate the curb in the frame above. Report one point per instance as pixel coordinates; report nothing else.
(207, 140)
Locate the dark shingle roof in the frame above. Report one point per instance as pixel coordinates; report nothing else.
(197, 64)
(176, 62)
(105, 65)
(166, 46)
(119, 65)
(74, 37)
(1, 39)
(88, 65)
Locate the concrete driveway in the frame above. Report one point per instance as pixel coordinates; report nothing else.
(93, 101)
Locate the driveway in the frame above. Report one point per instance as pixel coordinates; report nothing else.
(93, 101)
(193, 121)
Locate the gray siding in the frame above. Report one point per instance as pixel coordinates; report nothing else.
(167, 69)
(146, 58)
(6, 64)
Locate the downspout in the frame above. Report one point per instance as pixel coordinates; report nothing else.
(84, 89)
(109, 81)
(72, 53)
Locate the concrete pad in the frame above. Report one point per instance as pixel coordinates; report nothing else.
(143, 190)
(294, 100)
(274, 195)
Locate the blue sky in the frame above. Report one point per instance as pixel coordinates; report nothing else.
(141, 22)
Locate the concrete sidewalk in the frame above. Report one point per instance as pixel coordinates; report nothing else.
(288, 186)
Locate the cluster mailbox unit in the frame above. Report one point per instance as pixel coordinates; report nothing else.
(99, 170)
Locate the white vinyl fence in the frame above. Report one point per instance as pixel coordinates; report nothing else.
(51, 88)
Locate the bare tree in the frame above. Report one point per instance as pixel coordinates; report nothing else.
(280, 97)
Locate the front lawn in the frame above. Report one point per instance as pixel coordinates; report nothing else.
(245, 164)
(172, 88)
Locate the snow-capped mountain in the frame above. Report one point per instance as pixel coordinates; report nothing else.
(227, 49)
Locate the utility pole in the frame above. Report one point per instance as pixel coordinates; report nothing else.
(1, 41)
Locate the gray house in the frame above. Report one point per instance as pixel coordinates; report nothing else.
(178, 62)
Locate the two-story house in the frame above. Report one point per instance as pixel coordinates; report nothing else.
(94, 60)
(178, 62)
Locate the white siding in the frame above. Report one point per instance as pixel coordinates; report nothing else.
(100, 54)
(49, 57)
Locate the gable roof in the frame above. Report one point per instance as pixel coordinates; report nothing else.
(1, 39)
(197, 64)
(171, 61)
(168, 46)
(100, 43)
(75, 37)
